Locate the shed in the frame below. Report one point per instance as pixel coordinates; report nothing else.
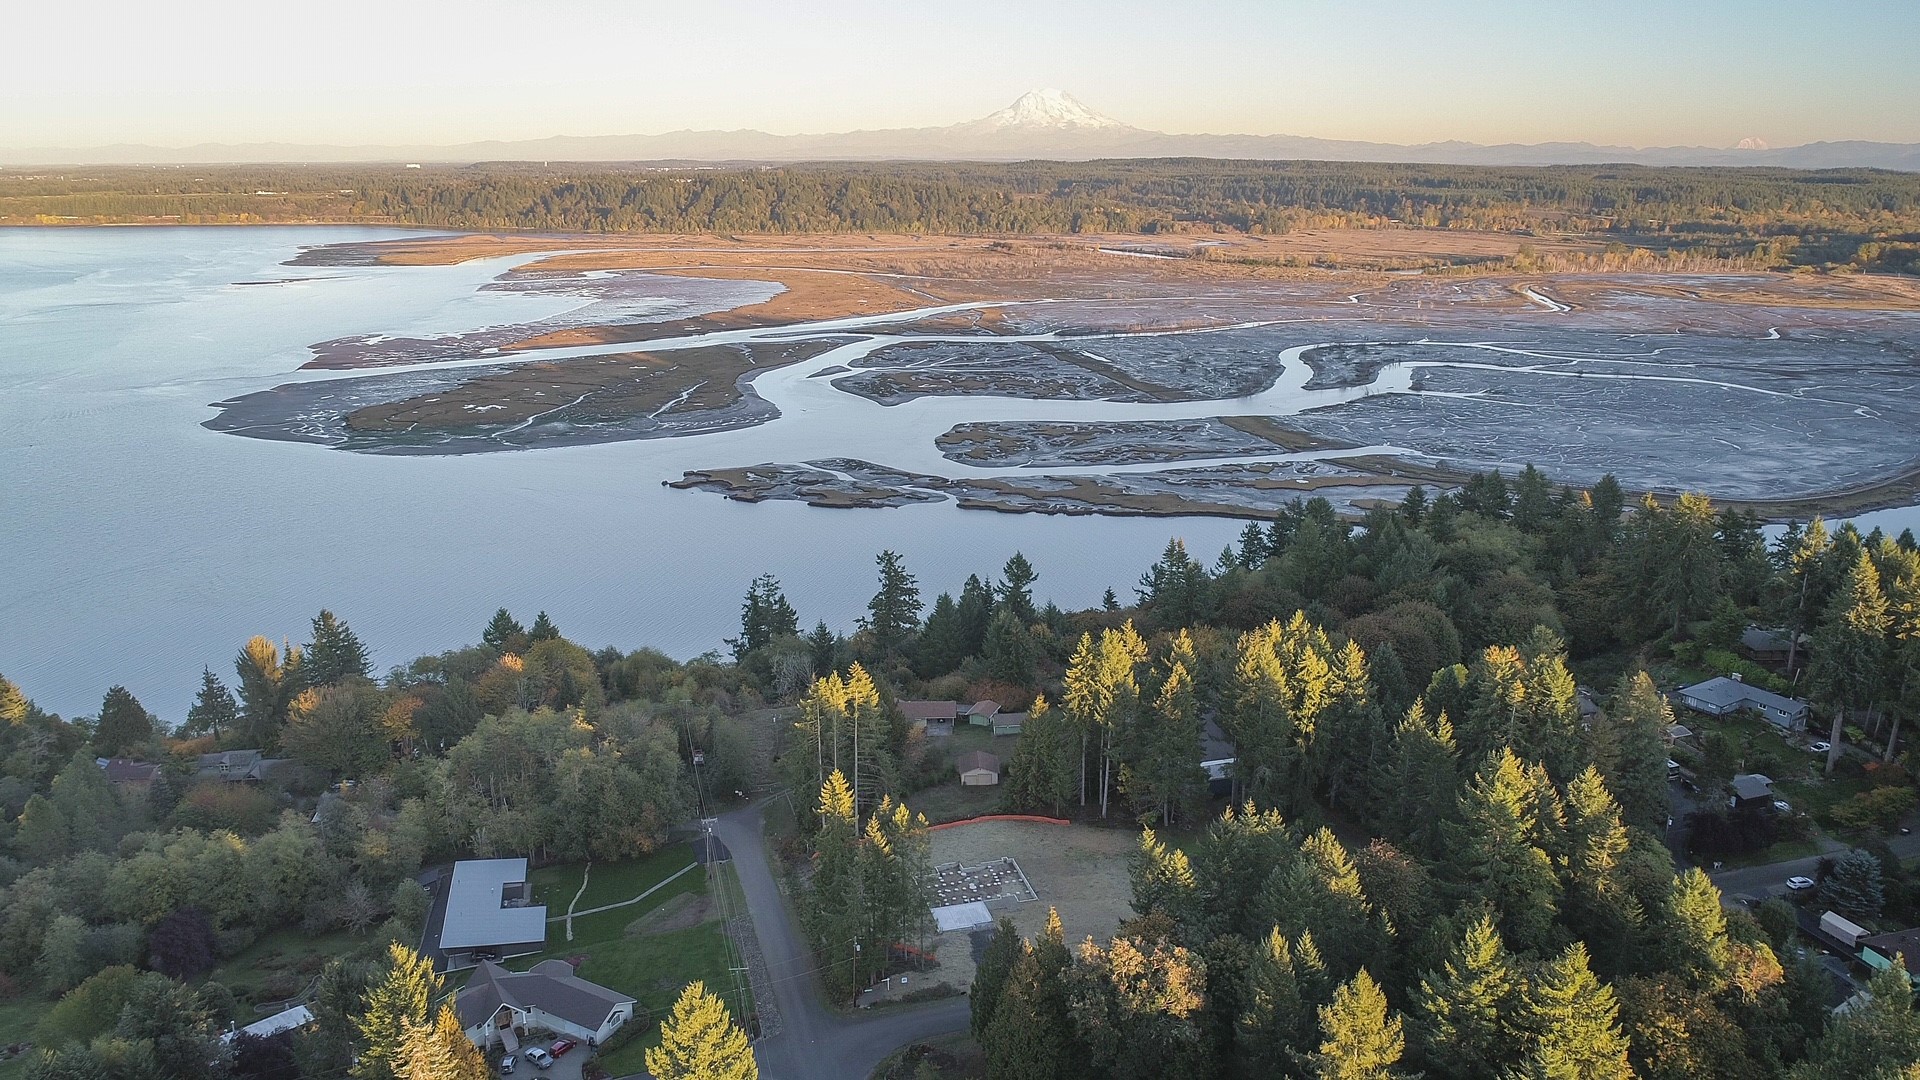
(1752, 788)
(968, 916)
(1767, 642)
(1009, 723)
(1843, 928)
(981, 713)
(290, 1020)
(1679, 733)
(1723, 695)
(978, 768)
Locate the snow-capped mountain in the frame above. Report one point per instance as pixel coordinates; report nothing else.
(1047, 110)
(1041, 124)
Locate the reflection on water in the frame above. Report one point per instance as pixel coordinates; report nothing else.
(139, 546)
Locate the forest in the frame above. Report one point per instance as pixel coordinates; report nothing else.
(1445, 852)
(1848, 218)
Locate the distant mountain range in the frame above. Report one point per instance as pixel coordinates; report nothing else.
(1046, 124)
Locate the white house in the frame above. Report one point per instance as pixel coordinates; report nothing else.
(500, 1007)
(489, 913)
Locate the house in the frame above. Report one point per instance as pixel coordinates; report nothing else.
(1750, 790)
(135, 774)
(291, 1020)
(977, 768)
(234, 766)
(1679, 733)
(933, 717)
(500, 1007)
(1583, 700)
(488, 914)
(1009, 723)
(1768, 644)
(1217, 758)
(1901, 945)
(981, 713)
(1723, 695)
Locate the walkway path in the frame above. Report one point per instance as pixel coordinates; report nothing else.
(569, 916)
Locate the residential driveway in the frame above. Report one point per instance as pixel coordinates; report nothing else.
(564, 1068)
(814, 1041)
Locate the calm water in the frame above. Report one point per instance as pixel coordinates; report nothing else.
(137, 546)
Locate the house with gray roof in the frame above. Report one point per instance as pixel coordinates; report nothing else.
(1752, 789)
(490, 913)
(500, 1007)
(1728, 694)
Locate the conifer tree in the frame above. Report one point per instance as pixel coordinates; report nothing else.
(269, 680)
(765, 616)
(1161, 771)
(504, 633)
(395, 1005)
(1574, 1019)
(124, 725)
(1693, 929)
(1419, 789)
(1040, 772)
(1856, 886)
(1274, 1023)
(834, 916)
(894, 612)
(1499, 855)
(1014, 594)
(1879, 1037)
(1627, 743)
(991, 974)
(1599, 906)
(1031, 1034)
(1009, 651)
(541, 630)
(440, 1050)
(214, 710)
(1464, 1013)
(1163, 881)
(335, 653)
(700, 1041)
(1850, 649)
(1360, 1040)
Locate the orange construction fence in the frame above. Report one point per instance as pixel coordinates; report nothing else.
(1000, 817)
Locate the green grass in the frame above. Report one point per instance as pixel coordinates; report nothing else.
(609, 883)
(283, 951)
(18, 1018)
(1783, 851)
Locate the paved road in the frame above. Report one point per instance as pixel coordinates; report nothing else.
(815, 1042)
(1771, 879)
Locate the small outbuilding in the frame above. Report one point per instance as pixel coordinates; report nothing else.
(978, 768)
(1009, 723)
(1723, 695)
(1752, 789)
(981, 713)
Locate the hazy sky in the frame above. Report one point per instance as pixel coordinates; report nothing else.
(440, 71)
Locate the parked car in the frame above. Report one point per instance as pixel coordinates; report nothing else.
(507, 1064)
(561, 1047)
(1820, 747)
(540, 1058)
(1783, 806)
(1799, 883)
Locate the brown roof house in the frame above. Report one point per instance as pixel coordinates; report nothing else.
(981, 713)
(500, 1007)
(126, 771)
(978, 769)
(933, 717)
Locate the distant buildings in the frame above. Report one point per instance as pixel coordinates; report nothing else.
(137, 774)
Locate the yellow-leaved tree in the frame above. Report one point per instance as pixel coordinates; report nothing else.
(701, 1042)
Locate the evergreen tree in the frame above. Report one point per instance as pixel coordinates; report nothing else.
(765, 616)
(1879, 1037)
(1108, 601)
(335, 653)
(834, 915)
(1040, 772)
(1031, 1034)
(823, 645)
(894, 612)
(1693, 930)
(1274, 1022)
(1855, 887)
(1009, 653)
(541, 630)
(124, 726)
(1498, 851)
(699, 1041)
(395, 1005)
(1163, 881)
(942, 644)
(1253, 551)
(1850, 649)
(1465, 1011)
(1015, 591)
(1599, 906)
(1420, 786)
(440, 1050)
(1161, 771)
(269, 680)
(991, 974)
(504, 633)
(42, 833)
(1575, 1022)
(1628, 745)
(975, 612)
(1360, 1040)
(1175, 588)
(214, 710)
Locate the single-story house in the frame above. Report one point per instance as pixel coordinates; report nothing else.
(1901, 944)
(291, 1020)
(235, 766)
(977, 768)
(138, 774)
(933, 717)
(981, 713)
(1217, 758)
(489, 913)
(1679, 733)
(499, 1007)
(1752, 789)
(1009, 723)
(1768, 644)
(1728, 694)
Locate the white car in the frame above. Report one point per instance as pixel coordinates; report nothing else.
(1783, 806)
(1819, 747)
(1799, 883)
(540, 1058)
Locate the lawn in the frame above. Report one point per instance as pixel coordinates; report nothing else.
(18, 1018)
(608, 883)
(947, 800)
(278, 966)
(651, 959)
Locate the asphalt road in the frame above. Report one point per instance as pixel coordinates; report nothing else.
(1771, 879)
(815, 1042)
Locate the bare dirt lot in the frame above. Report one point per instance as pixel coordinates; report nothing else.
(1078, 869)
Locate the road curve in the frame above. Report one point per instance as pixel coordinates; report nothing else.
(815, 1042)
